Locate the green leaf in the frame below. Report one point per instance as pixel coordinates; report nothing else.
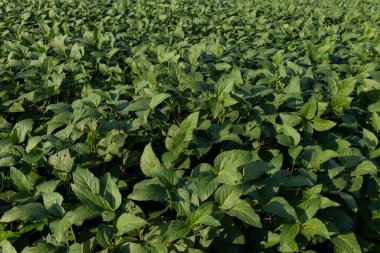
(149, 163)
(244, 211)
(7, 161)
(7, 247)
(222, 66)
(322, 124)
(280, 207)
(346, 86)
(148, 190)
(376, 122)
(226, 83)
(181, 202)
(294, 86)
(178, 32)
(290, 247)
(206, 185)
(272, 239)
(59, 228)
(215, 106)
(285, 140)
(375, 107)
(48, 186)
(188, 125)
(349, 199)
(110, 191)
(158, 99)
(227, 195)
(309, 109)
(289, 232)
(76, 216)
(77, 51)
(19, 180)
(346, 243)
(202, 216)
(21, 129)
(62, 161)
(290, 131)
(53, 203)
(33, 142)
(179, 138)
(32, 211)
(86, 246)
(369, 139)
(340, 218)
(294, 152)
(111, 145)
(315, 227)
(326, 202)
(320, 157)
(290, 137)
(86, 188)
(91, 199)
(255, 169)
(364, 168)
(177, 229)
(130, 247)
(128, 222)
(85, 180)
(105, 235)
(308, 208)
(44, 247)
(227, 164)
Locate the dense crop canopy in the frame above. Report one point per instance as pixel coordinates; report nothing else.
(189, 126)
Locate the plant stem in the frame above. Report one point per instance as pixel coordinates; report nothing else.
(73, 234)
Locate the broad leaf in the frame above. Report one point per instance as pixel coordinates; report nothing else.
(151, 167)
(364, 168)
(31, 211)
(280, 207)
(62, 161)
(104, 235)
(22, 129)
(148, 190)
(203, 216)
(86, 188)
(244, 211)
(289, 232)
(19, 180)
(53, 203)
(322, 124)
(346, 243)
(255, 169)
(227, 164)
(177, 229)
(309, 109)
(315, 227)
(110, 191)
(158, 99)
(307, 209)
(376, 122)
(128, 222)
(227, 195)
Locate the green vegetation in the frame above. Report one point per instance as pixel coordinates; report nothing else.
(189, 126)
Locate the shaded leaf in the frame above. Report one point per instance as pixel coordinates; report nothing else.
(280, 207)
(244, 211)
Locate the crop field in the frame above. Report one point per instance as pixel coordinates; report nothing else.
(221, 126)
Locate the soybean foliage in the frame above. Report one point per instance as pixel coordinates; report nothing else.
(189, 126)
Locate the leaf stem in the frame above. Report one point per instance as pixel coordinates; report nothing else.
(73, 234)
(278, 228)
